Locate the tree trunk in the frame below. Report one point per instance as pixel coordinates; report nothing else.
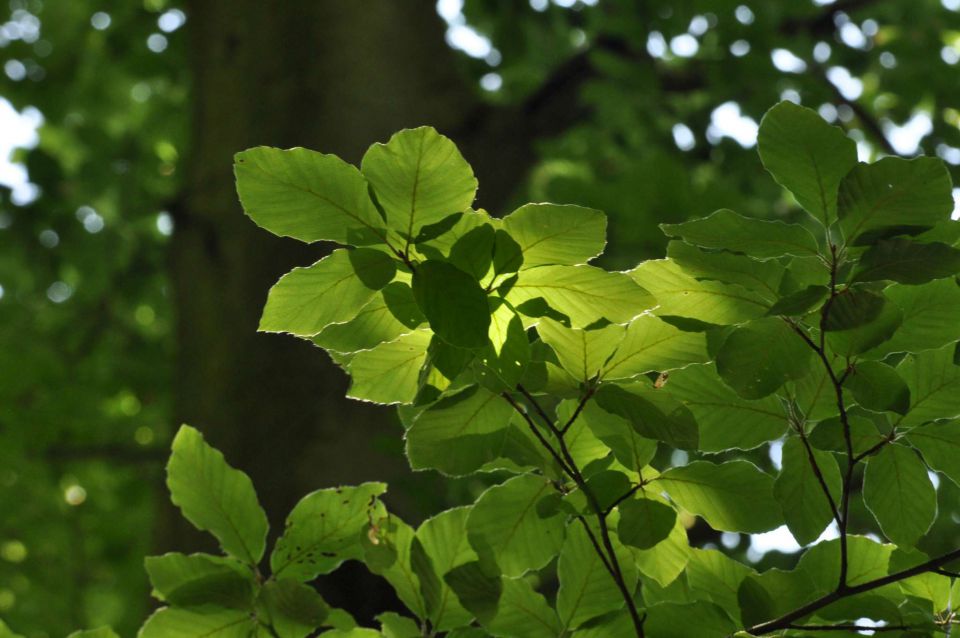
(332, 76)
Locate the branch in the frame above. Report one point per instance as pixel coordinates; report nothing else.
(785, 621)
(819, 474)
(849, 627)
(607, 554)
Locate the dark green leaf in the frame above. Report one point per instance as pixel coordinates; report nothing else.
(799, 303)
(894, 192)
(295, 610)
(907, 262)
(653, 414)
(453, 302)
(473, 253)
(877, 386)
(940, 445)
(755, 237)
(759, 357)
(200, 579)
(644, 522)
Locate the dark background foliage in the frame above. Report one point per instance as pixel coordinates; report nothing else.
(132, 283)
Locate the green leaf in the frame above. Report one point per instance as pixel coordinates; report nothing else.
(295, 610)
(453, 302)
(473, 253)
(6, 632)
(650, 344)
(100, 632)
(584, 445)
(586, 588)
(419, 178)
(934, 382)
(394, 538)
(732, 497)
(453, 435)
(667, 559)
(898, 491)
(799, 303)
(198, 622)
(653, 414)
(853, 308)
(324, 529)
(199, 579)
(907, 262)
(391, 313)
(800, 494)
(691, 620)
(306, 195)
(557, 234)
(631, 449)
(763, 277)
(216, 498)
(300, 302)
(829, 435)
(714, 576)
(447, 547)
(860, 321)
(680, 295)
(478, 587)
(755, 237)
(523, 612)
(581, 352)
(583, 293)
(390, 372)
(758, 358)
(725, 420)
(892, 193)
(505, 519)
(940, 445)
(644, 522)
(866, 560)
(393, 625)
(877, 386)
(806, 156)
(929, 314)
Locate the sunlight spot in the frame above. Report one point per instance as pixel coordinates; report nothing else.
(790, 95)
(949, 154)
(698, 25)
(539, 5)
(744, 14)
(828, 112)
(956, 204)
(852, 36)
(656, 44)
(684, 45)
(906, 139)
(59, 291)
(740, 48)
(821, 52)
(951, 5)
(15, 70)
(140, 92)
(171, 20)
(949, 55)
(100, 20)
(1, 291)
(49, 238)
(13, 551)
(787, 62)
(730, 540)
(780, 540)
(683, 137)
(75, 495)
(164, 223)
(888, 60)
(727, 121)
(143, 435)
(849, 86)
(678, 458)
(491, 82)
(776, 454)
(157, 42)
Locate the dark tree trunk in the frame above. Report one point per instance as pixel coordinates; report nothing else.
(332, 76)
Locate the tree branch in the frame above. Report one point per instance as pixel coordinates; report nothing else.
(785, 621)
